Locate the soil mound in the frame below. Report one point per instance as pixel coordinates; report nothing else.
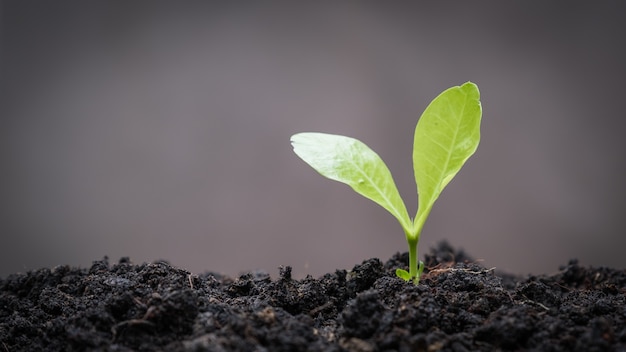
(459, 305)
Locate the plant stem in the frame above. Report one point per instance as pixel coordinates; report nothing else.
(413, 259)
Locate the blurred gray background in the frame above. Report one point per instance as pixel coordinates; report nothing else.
(160, 130)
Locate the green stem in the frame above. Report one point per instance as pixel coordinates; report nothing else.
(413, 259)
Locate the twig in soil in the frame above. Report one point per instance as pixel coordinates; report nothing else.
(535, 302)
(313, 312)
(448, 267)
(465, 270)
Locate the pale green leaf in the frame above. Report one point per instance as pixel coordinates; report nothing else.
(350, 161)
(447, 134)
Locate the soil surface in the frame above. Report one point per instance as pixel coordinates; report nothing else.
(459, 305)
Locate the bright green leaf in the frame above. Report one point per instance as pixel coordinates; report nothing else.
(350, 161)
(447, 134)
(403, 274)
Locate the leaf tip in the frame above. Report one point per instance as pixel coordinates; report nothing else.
(470, 87)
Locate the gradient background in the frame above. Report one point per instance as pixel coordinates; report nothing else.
(161, 131)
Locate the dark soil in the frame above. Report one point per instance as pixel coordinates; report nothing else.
(458, 306)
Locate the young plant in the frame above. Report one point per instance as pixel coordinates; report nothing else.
(446, 135)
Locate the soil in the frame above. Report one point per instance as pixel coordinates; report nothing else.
(459, 305)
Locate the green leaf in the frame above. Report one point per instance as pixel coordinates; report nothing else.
(447, 134)
(403, 274)
(350, 161)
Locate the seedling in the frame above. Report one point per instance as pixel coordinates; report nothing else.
(446, 135)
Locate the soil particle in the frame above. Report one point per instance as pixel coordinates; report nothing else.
(458, 306)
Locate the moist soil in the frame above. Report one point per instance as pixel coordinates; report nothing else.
(458, 305)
